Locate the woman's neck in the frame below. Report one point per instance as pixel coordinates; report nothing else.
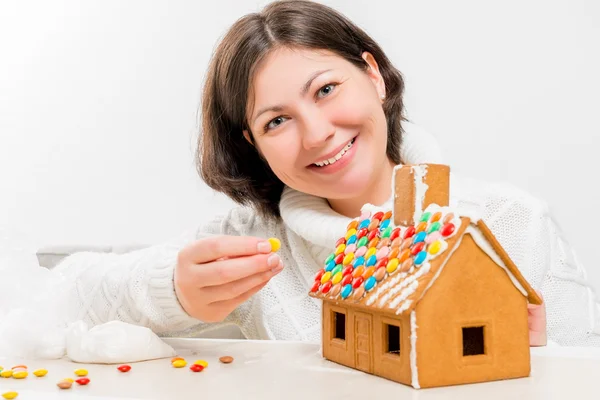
(377, 193)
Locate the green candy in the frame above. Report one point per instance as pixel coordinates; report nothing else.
(331, 257)
(425, 217)
(337, 269)
(434, 227)
(387, 232)
(362, 242)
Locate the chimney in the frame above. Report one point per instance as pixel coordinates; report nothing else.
(416, 187)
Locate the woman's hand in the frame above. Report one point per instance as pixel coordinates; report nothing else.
(537, 323)
(215, 275)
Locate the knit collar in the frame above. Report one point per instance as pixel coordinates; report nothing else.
(314, 220)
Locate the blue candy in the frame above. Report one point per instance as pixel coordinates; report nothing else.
(351, 239)
(372, 260)
(369, 283)
(346, 290)
(330, 265)
(420, 237)
(420, 257)
(364, 224)
(358, 261)
(384, 224)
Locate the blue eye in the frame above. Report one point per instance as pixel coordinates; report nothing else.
(274, 123)
(327, 89)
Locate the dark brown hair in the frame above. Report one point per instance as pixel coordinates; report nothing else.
(225, 160)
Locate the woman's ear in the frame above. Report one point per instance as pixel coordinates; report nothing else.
(248, 137)
(374, 74)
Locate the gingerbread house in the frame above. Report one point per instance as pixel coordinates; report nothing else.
(423, 295)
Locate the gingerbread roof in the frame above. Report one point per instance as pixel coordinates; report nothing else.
(378, 265)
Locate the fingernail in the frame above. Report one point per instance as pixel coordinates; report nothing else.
(273, 260)
(263, 247)
(278, 268)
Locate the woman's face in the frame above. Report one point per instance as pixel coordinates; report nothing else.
(319, 123)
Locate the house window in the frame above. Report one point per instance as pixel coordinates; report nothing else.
(339, 325)
(392, 339)
(473, 341)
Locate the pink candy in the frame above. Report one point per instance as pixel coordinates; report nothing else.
(382, 252)
(432, 237)
(351, 248)
(361, 251)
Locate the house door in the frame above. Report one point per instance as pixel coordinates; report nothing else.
(363, 351)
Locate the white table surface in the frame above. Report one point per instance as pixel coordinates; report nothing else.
(291, 370)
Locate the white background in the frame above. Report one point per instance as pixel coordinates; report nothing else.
(99, 100)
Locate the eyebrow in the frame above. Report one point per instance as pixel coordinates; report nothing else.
(303, 92)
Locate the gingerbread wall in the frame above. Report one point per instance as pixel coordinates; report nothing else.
(472, 290)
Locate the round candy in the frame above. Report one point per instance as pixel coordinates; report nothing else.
(226, 359)
(436, 217)
(202, 363)
(374, 224)
(406, 265)
(196, 368)
(372, 235)
(335, 290)
(365, 214)
(326, 277)
(351, 248)
(394, 252)
(448, 218)
(361, 251)
(275, 244)
(395, 234)
(347, 279)
(330, 257)
(340, 241)
(6, 373)
(370, 252)
(379, 274)
(20, 374)
(362, 241)
(315, 286)
(64, 384)
(396, 242)
(358, 271)
(404, 255)
(406, 243)
(350, 233)
(364, 224)
(351, 240)
(421, 227)
(420, 237)
(435, 247)
(387, 215)
(358, 293)
(330, 266)
(420, 257)
(69, 380)
(448, 229)
(81, 372)
(124, 368)
(357, 282)
(349, 257)
(83, 381)
(385, 242)
(425, 216)
(338, 268)
(371, 261)
(326, 287)
(417, 248)
(382, 262)
(362, 233)
(179, 363)
(359, 261)
(378, 215)
(434, 227)
(319, 274)
(340, 249)
(382, 252)
(347, 270)
(40, 372)
(346, 291)
(337, 277)
(10, 395)
(339, 258)
(387, 232)
(370, 283)
(409, 232)
(392, 265)
(432, 237)
(368, 272)
(384, 224)
(352, 225)
(373, 243)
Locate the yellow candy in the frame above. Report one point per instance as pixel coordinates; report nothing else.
(40, 372)
(201, 362)
(348, 258)
(326, 276)
(435, 247)
(392, 265)
(179, 363)
(275, 244)
(370, 252)
(81, 372)
(337, 277)
(6, 373)
(69, 380)
(340, 249)
(350, 233)
(20, 374)
(10, 395)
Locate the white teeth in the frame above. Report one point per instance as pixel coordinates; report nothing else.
(336, 157)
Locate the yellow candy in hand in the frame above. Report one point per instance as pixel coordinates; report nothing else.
(275, 244)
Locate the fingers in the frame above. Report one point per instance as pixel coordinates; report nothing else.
(215, 247)
(238, 287)
(225, 271)
(225, 307)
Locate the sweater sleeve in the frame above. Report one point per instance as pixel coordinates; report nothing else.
(137, 287)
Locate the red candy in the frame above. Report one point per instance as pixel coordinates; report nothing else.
(372, 235)
(395, 233)
(378, 215)
(83, 381)
(410, 231)
(326, 287)
(347, 270)
(319, 274)
(347, 279)
(339, 258)
(357, 282)
(417, 248)
(196, 367)
(361, 232)
(315, 286)
(447, 229)
(382, 263)
(340, 241)
(124, 368)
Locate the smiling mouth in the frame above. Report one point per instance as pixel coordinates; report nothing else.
(337, 157)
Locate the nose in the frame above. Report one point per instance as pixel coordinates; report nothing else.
(316, 129)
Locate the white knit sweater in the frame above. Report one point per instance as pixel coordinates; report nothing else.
(137, 287)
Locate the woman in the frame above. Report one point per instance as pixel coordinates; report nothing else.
(302, 124)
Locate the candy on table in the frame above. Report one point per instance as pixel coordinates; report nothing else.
(10, 395)
(83, 381)
(373, 248)
(226, 359)
(20, 373)
(196, 367)
(180, 363)
(201, 362)
(65, 384)
(40, 372)
(275, 244)
(6, 373)
(69, 380)
(124, 368)
(81, 372)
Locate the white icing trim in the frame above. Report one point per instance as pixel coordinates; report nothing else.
(419, 172)
(413, 350)
(484, 245)
(386, 285)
